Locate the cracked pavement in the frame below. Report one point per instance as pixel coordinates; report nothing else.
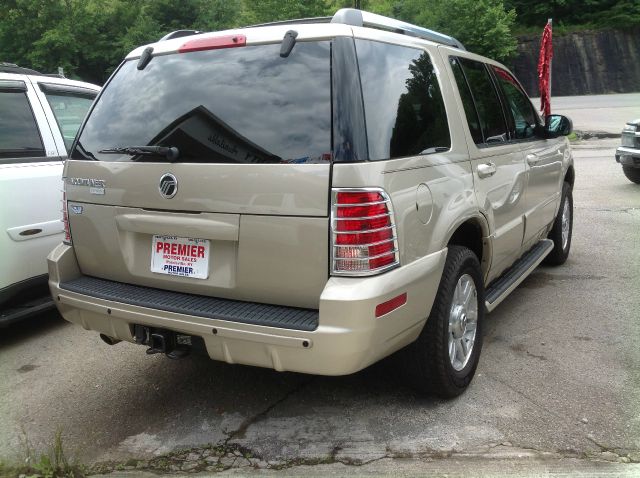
(558, 382)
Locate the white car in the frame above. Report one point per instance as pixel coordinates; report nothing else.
(39, 118)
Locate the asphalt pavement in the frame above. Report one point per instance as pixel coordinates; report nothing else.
(557, 389)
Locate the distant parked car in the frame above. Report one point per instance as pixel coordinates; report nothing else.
(628, 154)
(39, 118)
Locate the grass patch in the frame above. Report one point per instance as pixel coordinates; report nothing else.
(52, 464)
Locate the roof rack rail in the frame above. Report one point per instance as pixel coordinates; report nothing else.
(359, 18)
(13, 68)
(294, 21)
(179, 34)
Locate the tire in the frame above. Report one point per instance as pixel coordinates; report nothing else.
(426, 363)
(632, 174)
(561, 245)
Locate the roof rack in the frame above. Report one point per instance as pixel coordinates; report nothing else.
(294, 21)
(13, 68)
(358, 18)
(179, 34)
(20, 70)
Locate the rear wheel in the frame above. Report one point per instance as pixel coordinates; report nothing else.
(632, 174)
(444, 358)
(562, 229)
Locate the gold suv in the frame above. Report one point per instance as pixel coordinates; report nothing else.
(312, 197)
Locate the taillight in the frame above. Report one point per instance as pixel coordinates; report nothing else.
(65, 217)
(363, 232)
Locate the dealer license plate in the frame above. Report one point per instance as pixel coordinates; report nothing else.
(180, 256)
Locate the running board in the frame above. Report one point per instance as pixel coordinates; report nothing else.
(504, 285)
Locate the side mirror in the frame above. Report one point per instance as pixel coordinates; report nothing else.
(557, 125)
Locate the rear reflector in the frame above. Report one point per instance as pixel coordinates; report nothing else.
(393, 304)
(363, 232)
(213, 43)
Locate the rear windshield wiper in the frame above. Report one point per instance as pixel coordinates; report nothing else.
(171, 153)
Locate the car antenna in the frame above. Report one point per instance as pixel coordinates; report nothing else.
(288, 42)
(145, 58)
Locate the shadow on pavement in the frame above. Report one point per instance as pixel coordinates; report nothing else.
(26, 328)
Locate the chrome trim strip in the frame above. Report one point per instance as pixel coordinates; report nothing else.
(365, 273)
(362, 218)
(374, 203)
(392, 226)
(366, 258)
(367, 245)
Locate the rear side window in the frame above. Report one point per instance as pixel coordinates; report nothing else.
(467, 101)
(518, 103)
(237, 105)
(404, 109)
(487, 103)
(69, 109)
(19, 135)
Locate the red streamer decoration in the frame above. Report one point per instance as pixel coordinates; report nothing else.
(544, 70)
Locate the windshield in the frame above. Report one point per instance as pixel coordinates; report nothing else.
(238, 105)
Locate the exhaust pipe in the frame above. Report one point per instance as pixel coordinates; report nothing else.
(109, 340)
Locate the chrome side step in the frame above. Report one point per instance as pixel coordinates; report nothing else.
(504, 285)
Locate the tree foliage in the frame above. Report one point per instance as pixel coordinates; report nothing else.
(88, 38)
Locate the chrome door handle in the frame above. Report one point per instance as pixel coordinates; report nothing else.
(486, 170)
(533, 159)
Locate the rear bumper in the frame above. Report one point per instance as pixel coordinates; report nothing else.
(348, 337)
(628, 156)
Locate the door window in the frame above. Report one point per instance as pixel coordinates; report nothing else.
(519, 105)
(19, 135)
(486, 100)
(467, 101)
(69, 110)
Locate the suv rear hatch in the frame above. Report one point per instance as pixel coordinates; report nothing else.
(207, 171)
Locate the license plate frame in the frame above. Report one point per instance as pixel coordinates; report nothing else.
(180, 256)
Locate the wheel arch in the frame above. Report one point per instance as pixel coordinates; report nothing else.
(570, 176)
(472, 233)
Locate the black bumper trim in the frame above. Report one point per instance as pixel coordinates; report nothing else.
(197, 305)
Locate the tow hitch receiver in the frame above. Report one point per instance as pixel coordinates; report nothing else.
(172, 344)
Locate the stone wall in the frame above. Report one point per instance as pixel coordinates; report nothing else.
(587, 62)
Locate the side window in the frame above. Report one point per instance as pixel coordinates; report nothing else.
(467, 101)
(19, 135)
(69, 110)
(403, 104)
(486, 101)
(519, 104)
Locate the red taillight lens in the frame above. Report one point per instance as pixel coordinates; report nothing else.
(363, 231)
(65, 219)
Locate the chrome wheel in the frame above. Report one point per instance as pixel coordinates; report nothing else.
(463, 321)
(566, 224)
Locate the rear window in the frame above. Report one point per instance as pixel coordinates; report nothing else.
(238, 105)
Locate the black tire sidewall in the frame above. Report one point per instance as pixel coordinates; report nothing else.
(464, 376)
(632, 174)
(453, 382)
(559, 255)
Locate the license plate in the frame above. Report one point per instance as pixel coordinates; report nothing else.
(180, 256)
